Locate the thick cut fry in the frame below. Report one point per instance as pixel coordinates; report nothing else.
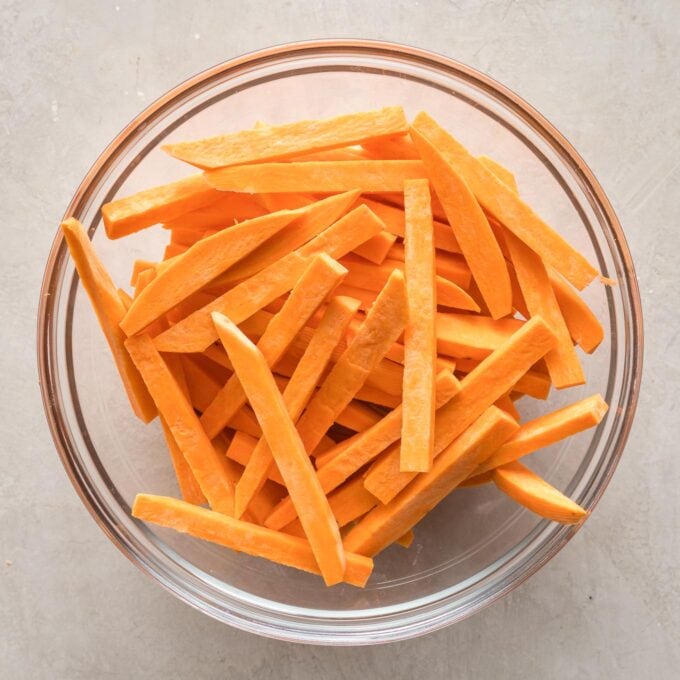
(584, 327)
(502, 202)
(173, 250)
(228, 209)
(314, 286)
(448, 265)
(373, 277)
(207, 465)
(533, 492)
(160, 204)
(287, 449)
(546, 430)
(472, 230)
(195, 333)
(375, 249)
(382, 326)
(393, 217)
(420, 344)
(471, 336)
(361, 449)
(205, 260)
(495, 376)
(276, 142)
(297, 393)
(316, 176)
(241, 536)
(313, 218)
(109, 310)
(533, 383)
(386, 523)
(563, 364)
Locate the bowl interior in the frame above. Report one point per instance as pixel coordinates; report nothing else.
(477, 543)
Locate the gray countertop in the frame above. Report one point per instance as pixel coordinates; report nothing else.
(73, 72)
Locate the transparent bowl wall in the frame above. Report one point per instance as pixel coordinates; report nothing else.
(475, 546)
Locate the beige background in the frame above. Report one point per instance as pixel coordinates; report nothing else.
(72, 73)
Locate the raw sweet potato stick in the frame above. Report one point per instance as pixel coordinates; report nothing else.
(495, 376)
(316, 283)
(196, 332)
(546, 430)
(127, 215)
(420, 337)
(207, 465)
(469, 224)
(297, 393)
(501, 202)
(386, 523)
(201, 263)
(382, 326)
(275, 142)
(287, 448)
(353, 455)
(110, 310)
(533, 492)
(241, 536)
(316, 176)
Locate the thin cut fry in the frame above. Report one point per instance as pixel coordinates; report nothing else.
(495, 376)
(338, 467)
(316, 176)
(287, 448)
(533, 492)
(420, 344)
(472, 230)
(205, 260)
(386, 523)
(382, 326)
(296, 394)
(241, 536)
(110, 310)
(163, 203)
(315, 284)
(195, 333)
(499, 200)
(207, 465)
(546, 430)
(276, 142)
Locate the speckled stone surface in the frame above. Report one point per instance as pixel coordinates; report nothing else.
(73, 72)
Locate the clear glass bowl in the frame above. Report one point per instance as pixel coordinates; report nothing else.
(477, 545)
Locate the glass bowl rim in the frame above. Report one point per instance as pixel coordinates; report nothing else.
(384, 49)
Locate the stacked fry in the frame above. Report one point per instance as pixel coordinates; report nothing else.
(337, 334)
